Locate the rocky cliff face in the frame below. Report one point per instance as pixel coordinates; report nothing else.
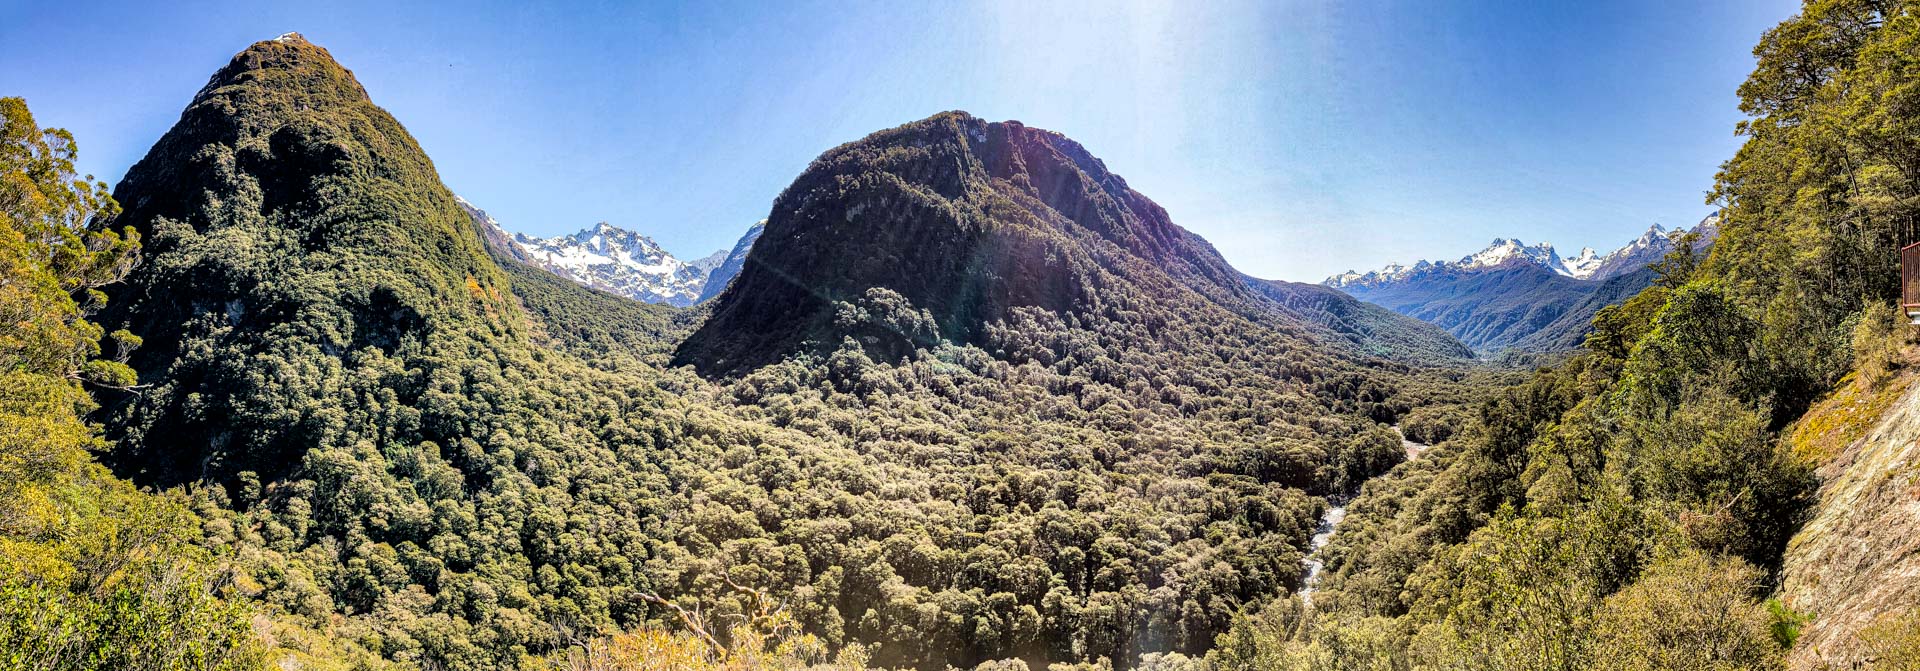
(1857, 559)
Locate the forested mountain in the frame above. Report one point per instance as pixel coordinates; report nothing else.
(1371, 328)
(1488, 309)
(416, 446)
(342, 370)
(948, 228)
(970, 402)
(1512, 296)
(963, 219)
(1567, 332)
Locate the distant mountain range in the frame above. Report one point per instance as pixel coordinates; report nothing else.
(623, 262)
(1515, 295)
(1587, 265)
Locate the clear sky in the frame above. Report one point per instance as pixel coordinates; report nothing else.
(1301, 138)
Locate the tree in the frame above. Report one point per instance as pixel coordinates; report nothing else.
(1692, 611)
(94, 574)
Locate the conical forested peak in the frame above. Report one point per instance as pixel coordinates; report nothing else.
(284, 137)
(287, 63)
(289, 222)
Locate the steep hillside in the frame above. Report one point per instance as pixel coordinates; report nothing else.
(1370, 328)
(347, 380)
(1724, 478)
(1854, 565)
(263, 201)
(1566, 332)
(965, 221)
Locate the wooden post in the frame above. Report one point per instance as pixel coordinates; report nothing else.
(1910, 282)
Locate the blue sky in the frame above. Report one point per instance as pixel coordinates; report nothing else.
(1301, 138)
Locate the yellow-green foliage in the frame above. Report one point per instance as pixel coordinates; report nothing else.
(1843, 417)
(1285, 636)
(657, 649)
(1894, 642)
(1691, 611)
(1878, 339)
(93, 573)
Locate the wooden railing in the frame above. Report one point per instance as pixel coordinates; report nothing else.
(1910, 278)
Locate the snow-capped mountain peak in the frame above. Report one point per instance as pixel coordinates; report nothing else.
(614, 260)
(619, 261)
(1504, 250)
(1582, 265)
(1655, 235)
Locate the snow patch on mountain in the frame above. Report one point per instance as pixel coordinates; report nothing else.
(1584, 264)
(1506, 250)
(616, 260)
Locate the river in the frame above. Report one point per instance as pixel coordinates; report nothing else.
(1330, 522)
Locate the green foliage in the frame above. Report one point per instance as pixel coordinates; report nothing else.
(1284, 636)
(453, 460)
(94, 574)
(1691, 611)
(1522, 592)
(1642, 490)
(1434, 424)
(1878, 337)
(1371, 329)
(1816, 198)
(153, 616)
(1786, 622)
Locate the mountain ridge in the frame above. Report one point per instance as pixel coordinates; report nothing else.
(1516, 296)
(1588, 265)
(964, 218)
(940, 229)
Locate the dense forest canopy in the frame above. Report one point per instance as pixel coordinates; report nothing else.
(407, 446)
(972, 402)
